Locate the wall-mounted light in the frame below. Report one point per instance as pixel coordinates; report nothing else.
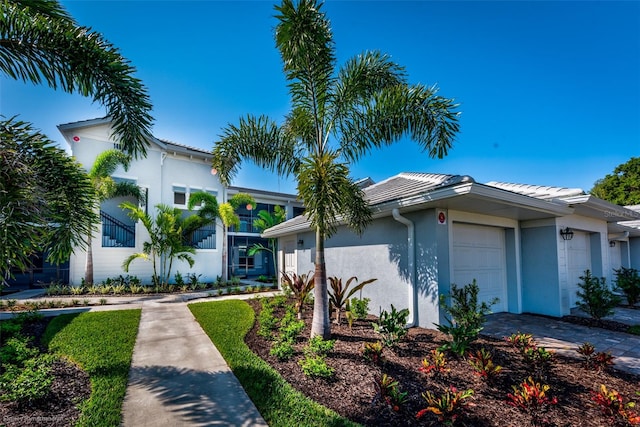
(300, 242)
(612, 243)
(566, 233)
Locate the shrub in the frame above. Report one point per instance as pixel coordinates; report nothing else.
(28, 383)
(592, 360)
(316, 366)
(612, 404)
(16, 350)
(448, 406)
(372, 351)
(482, 363)
(360, 308)
(392, 326)
(179, 279)
(436, 362)
(282, 349)
(595, 298)
(520, 340)
(628, 282)
(339, 294)
(388, 391)
(539, 360)
(466, 317)
(267, 321)
(77, 290)
(314, 363)
(531, 397)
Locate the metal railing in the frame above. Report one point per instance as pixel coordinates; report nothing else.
(116, 234)
(203, 237)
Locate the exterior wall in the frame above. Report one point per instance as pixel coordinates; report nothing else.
(158, 173)
(634, 252)
(540, 276)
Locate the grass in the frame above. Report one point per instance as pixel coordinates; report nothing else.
(226, 323)
(102, 344)
(635, 330)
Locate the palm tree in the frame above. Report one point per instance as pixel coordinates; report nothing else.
(337, 117)
(106, 188)
(47, 201)
(210, 210)
(42, 44)
(45, 197)
(166, 240)
(264, 221)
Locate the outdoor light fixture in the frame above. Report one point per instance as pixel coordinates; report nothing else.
(300, 242)
(612, 243)
(567, 233)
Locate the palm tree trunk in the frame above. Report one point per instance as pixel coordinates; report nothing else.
(320, 324)
(224, 254)
(88, 266)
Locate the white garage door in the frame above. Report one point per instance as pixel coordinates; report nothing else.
(579, 260)
(479, 253)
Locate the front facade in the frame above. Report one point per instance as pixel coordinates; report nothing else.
(432, 230)
(169, 174)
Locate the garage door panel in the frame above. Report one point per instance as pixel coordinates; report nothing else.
(479, 253)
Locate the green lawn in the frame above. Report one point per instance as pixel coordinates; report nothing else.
(226, 323)
(102, 344)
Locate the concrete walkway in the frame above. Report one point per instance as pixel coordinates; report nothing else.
(565, 338)
(178, 377)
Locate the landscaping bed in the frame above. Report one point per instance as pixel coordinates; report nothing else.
(352, 392)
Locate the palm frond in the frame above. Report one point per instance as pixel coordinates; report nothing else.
(41, 44)
(258, 139)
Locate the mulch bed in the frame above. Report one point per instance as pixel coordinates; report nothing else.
(70, 387)
(352, 392)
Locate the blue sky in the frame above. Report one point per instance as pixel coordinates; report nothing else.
(549, 91)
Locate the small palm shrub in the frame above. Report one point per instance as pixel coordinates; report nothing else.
(595, 298)
(300, 286)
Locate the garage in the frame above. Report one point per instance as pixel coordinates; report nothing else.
(578, 260)
(479, 253)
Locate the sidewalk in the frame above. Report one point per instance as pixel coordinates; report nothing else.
(178, 377)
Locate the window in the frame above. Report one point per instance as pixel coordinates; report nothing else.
(179, 195)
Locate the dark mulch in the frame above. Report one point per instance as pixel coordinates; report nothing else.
(352, 393)
(70, 387)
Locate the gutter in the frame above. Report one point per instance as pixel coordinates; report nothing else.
(411, 266)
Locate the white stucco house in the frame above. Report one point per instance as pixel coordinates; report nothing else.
(526, 245)
(169, 174)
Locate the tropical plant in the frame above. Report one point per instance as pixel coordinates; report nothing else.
(337, 117)
(482, 362)
(360, 308)
(106, 188)
(388, 391)
(448, 406)
(264, 221)
(435, 362)
(339, 294)
(301, 286)
(595, 297)
(612, 404)
(531, 397)
(47, 202)
(391, 325)
(597, 361)
(372, 351)
(466, 317)
(628, 281)
(165, 233)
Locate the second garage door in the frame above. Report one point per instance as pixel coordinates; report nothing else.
(479, 253)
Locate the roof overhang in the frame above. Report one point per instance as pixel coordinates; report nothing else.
(593, 207)
(469, 197)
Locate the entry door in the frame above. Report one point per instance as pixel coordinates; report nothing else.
(479, 253)
(579, 260)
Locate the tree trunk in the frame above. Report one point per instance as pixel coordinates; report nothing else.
(320, 324)
(88, 266)
(224, 254)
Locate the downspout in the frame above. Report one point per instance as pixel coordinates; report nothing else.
(411, 266)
